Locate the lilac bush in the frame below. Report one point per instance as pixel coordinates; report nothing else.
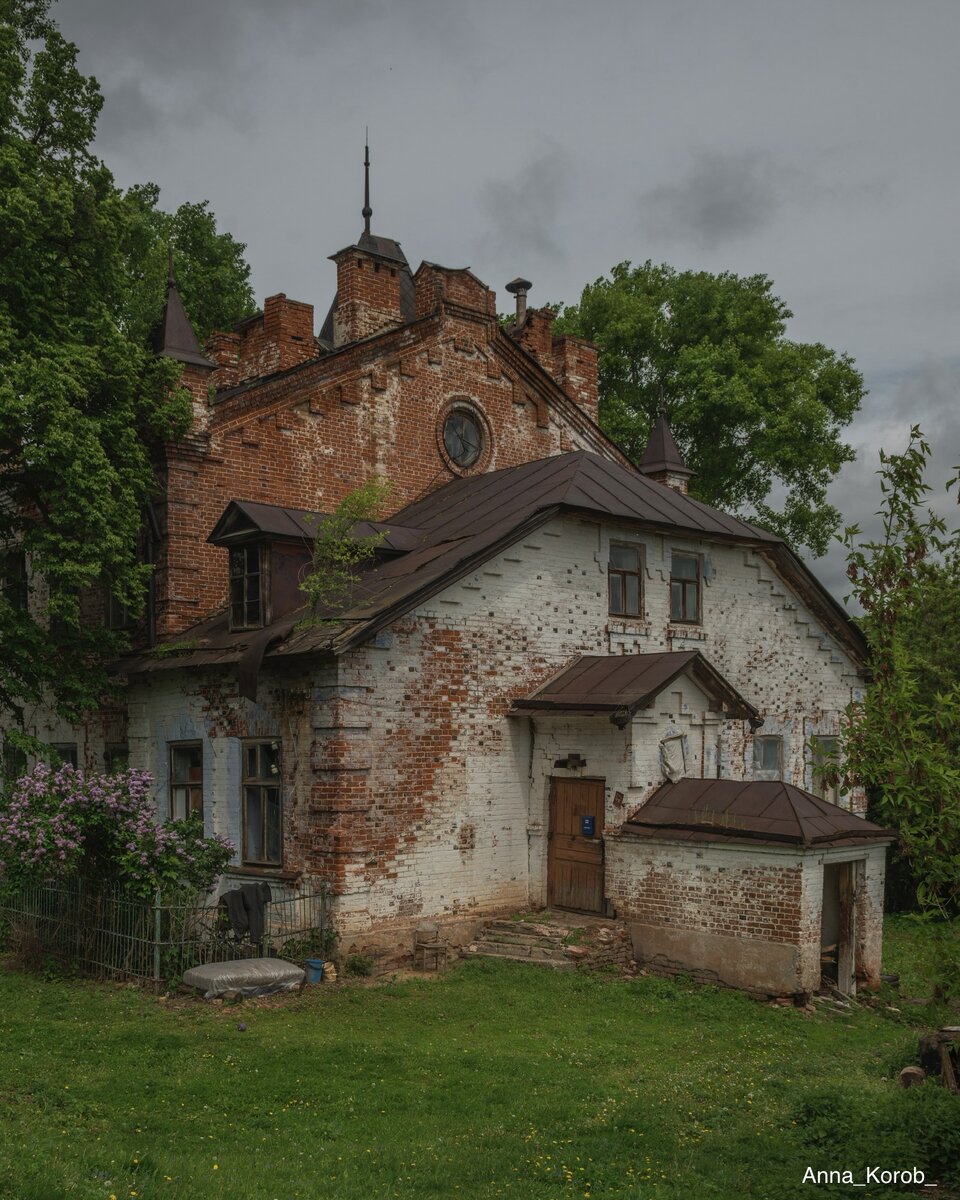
(102, 829)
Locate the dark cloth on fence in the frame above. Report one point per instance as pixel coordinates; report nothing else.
(246, 906)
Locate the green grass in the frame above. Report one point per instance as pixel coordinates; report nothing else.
(496, 1080)
(925, 954)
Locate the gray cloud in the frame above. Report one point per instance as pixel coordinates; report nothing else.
(927, 394)
(522, 211)
(721, 197)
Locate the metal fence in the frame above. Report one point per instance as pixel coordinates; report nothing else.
(106, 934)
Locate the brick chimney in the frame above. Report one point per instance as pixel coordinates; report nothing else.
(368, 294)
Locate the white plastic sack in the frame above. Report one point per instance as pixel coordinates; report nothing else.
(248, 976)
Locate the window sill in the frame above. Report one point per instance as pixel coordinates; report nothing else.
(263, 873)
(687, 631)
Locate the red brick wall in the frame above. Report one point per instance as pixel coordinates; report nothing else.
(306, 438)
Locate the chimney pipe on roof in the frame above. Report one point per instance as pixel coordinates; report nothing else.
(520, 287)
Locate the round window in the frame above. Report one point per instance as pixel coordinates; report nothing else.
(463, 437)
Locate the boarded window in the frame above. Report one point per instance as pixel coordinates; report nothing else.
(624, 580)
(685, 588)
(767, 757)
(246, 607)
(262, 816)
(186, 779)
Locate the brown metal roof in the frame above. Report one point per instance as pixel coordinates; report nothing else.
(243, 518)
(662, 453)
(175, 337)
(622, 684)
(749, 811)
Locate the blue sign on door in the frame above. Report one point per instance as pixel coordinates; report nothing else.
(588, 826)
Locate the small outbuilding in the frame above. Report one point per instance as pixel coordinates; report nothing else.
(754, 884)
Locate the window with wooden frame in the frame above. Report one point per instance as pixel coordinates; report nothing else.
(118, 615)
(685, 588)
(246, 586)
(624, 580)
(825, 768)
(186, 779)
(13, 578)
(262, 809)
(64, 753)
(116, 757)
(767, 756)
(14, 762)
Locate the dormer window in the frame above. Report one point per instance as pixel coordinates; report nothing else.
(246, 586)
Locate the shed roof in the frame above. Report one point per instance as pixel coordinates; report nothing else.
(621, 684)
(766, 811)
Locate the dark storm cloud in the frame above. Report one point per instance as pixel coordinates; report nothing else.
(722, 196)
(180, 64)
(927, 394)
(523, 210)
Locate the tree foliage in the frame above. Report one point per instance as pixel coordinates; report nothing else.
(340, 550)
(757, 417)
(82, 398)
(213, 277)
(902, 739)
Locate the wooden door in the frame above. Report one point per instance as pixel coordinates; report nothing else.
(575, 853)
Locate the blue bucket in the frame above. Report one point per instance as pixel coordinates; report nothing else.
(314, 970)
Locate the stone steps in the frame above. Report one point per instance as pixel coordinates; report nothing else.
(545, 943)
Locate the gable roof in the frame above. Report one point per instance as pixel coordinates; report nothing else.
(245, 519)
(752, 810)
(469, 520)
(622, 684)
(449, 532)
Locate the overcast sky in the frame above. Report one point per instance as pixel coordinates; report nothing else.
(815, 142)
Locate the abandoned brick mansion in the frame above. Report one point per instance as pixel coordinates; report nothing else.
(559, 680)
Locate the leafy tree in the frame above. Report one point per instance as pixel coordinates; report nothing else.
(212, 275)
(340, 550)
(80, 400)
(902, 739)
(756, 415)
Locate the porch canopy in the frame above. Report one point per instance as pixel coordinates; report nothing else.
(759, 811)
(622, 684)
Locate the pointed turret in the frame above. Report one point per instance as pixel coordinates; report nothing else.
(374, 285)
(174, 337)
(661, 460)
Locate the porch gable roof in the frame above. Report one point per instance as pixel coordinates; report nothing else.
(622, 684)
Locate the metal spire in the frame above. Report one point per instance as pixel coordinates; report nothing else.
(367, 210)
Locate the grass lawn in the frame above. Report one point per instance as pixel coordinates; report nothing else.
(495, 1080)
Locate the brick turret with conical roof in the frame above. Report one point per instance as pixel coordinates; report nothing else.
(175, 338)
(372, 278)
(661, 460)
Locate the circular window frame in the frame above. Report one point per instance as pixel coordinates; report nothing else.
(466, 405)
